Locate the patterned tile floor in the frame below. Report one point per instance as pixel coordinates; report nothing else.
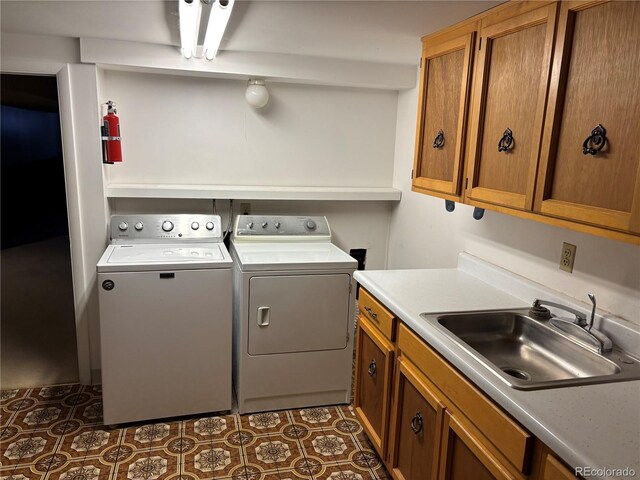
(57, 433)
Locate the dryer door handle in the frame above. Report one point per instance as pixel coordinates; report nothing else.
(263, 316)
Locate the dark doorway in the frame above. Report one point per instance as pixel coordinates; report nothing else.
(38, 342)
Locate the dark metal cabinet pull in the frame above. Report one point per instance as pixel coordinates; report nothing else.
(506, 142)
(371, 313)
(595, 142)
(438, 142)
(416, 423)
(373, 367)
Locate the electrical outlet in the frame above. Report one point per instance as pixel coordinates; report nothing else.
(568, 257)
(245, 209)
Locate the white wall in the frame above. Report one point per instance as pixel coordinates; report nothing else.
(190, 130)
(424, 235)
(353, 224)
(37, 54)
(86, 205)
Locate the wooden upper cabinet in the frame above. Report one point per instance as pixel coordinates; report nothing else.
(512, 75)
(595, 81)
(442, 115)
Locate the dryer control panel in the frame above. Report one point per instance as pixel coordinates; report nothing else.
(281, 228)
(160, 228)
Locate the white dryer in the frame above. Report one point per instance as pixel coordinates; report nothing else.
(294, 305)
(165, 285)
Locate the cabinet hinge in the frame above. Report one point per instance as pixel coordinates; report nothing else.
(466, 183)
(480, 44)
(420, 62)
(411, 174)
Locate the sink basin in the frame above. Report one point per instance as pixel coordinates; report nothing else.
(532, 354)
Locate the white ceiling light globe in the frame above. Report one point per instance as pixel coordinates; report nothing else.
(257, 94)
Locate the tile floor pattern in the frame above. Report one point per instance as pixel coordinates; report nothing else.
(57, 433)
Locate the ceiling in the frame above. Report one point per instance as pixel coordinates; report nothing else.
(377, 31)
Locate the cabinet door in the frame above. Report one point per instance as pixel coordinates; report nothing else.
(464, 456)
(553, 469)
(442, 114)
(374, 357)
(595, 82)
(416, 426)
(508, 107)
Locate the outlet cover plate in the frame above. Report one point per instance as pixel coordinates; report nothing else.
(567, 257)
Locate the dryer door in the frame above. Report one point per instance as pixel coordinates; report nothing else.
(298, 313)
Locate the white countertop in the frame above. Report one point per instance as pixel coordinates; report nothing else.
(595, 426)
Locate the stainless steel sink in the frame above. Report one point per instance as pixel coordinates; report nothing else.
(532, 354)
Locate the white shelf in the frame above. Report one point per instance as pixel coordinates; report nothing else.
(244, 192)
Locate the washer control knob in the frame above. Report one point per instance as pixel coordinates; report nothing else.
(209, 225)
(277, 225)
(123, 226)
(310, 225)
(250, 225)
(167, 226)
(195, 226)
(264, 224)
(139, 226)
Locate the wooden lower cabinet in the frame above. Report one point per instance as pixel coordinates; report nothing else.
(429, 422)
(374, 367)
(554, 469)
(416, 426)
(464, 455)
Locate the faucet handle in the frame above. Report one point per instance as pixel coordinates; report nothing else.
(592, 297)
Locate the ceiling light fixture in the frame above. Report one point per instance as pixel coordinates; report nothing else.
(257, 94)
(218, 19)
(190, 11)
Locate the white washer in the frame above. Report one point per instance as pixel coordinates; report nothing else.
(165, 285)
(294, 302)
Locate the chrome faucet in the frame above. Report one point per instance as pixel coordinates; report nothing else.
(544, 314)
(600, 341)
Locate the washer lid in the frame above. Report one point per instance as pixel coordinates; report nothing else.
(254, 256)
(148, 257)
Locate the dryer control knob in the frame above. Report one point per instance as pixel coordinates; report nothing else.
(277, 225)
(167, 226)
(195, 226)
(264, 224)
(139, 226)
(310, 225)
(209, 225)
(250, 225)
(123, 226)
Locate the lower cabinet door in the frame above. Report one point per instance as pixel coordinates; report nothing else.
(416, 426)
(374, 365)
(553, 469)
(463, 455)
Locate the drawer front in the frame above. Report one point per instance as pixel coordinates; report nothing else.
(508, 437)
(379, 316)
(374, 364)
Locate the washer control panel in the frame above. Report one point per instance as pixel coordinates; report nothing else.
(281, 227)
(160, 228)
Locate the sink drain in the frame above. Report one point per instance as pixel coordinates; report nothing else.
(516, 372)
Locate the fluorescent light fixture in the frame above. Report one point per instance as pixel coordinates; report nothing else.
(218, 19)
(189, 11)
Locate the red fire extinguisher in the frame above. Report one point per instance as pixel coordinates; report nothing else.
(111, 140)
